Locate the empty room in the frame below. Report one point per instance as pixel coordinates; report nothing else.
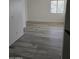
(36, 29)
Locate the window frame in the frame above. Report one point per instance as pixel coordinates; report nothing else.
(57, 7)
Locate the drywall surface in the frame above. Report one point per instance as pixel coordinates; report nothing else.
(26, 9)
(39, 10)
(16, 19)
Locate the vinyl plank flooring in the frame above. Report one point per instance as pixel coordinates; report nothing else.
(40, 41)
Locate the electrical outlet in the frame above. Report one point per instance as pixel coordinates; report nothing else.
(16, 33)
(24, 29)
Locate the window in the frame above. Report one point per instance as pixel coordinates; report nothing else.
(57, 6)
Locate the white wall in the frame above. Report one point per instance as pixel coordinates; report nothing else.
(17, 19)
(38, 10)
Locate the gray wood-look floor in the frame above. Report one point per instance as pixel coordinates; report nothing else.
(40, 41)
